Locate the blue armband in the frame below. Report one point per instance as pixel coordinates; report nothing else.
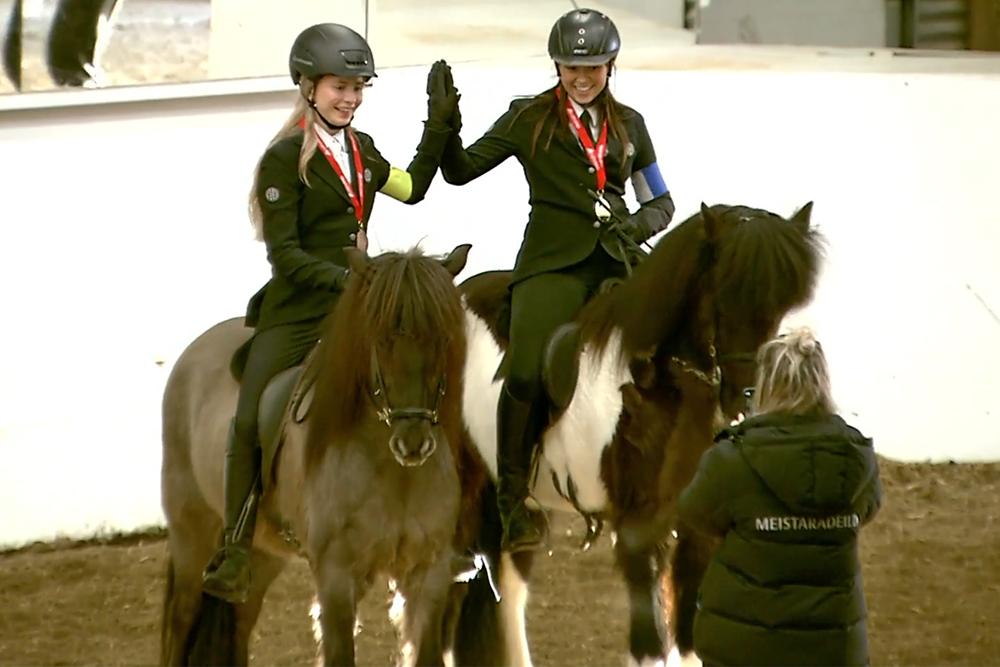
(648, 184)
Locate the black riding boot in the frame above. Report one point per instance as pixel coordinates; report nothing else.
(228, 574)
(517, 434)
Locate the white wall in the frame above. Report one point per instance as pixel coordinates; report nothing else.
(126, 237)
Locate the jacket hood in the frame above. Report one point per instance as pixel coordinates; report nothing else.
(813, 465)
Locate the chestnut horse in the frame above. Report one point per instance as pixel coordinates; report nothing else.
(638, 385)
(364, 470)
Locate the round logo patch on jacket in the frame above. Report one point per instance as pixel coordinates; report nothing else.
(272, 194)
(368, 175)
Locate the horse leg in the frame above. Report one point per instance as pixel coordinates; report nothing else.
(642, 566)
(338, 589)
(457, 594)
(478, 638)
(425, 591)
(264, 569)
(181, 606)
(193, 533)
(515, 571)
(689, 562)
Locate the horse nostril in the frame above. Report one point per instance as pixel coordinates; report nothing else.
(427, 447)
(397, 447)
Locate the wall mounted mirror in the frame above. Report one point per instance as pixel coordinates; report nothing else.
(67, 44)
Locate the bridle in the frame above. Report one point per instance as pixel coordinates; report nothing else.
(712, 377)
(388, 414)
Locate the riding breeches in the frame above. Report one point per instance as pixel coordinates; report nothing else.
(272, 351)
(539, 305)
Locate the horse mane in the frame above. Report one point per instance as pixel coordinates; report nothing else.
(398, 294)
(659, 284)
(764, 266)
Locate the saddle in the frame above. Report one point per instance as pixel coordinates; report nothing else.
(288, 395)
(560, 370)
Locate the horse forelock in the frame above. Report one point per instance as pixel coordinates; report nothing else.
(765, 266)
(412, 294)
(399, 294)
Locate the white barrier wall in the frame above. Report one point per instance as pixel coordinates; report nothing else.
(126, 236)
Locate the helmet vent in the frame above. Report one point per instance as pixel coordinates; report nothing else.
(355, 58)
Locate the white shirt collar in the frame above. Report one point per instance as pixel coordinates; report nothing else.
(333, 140)
(593, 110)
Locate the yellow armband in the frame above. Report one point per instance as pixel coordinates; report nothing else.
(399, 186)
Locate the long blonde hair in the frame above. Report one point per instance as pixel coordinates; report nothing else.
(792, 375)
(309, 144)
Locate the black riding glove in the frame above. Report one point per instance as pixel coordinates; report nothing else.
(455, 122)
(635, 230)
(442, 99)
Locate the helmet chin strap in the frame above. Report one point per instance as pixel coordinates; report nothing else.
(329, 125)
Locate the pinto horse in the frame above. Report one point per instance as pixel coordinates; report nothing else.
(638, 385)
(364, 470)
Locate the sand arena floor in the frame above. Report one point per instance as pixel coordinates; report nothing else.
(931, 566)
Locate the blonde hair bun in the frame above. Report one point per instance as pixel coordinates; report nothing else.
(803, 340)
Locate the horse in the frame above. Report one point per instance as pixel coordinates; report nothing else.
(78, 36)
(638, 385)
(12, 45)
(363, 467)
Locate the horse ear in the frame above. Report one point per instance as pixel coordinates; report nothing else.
(711, 221)
(357, 259)
(455, 261)
(803, 216)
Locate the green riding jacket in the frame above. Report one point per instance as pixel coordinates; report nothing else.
(787, 495)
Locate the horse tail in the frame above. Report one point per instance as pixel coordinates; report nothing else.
(479, 636)
(213, 635)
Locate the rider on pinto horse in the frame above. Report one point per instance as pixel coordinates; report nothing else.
(578, 145)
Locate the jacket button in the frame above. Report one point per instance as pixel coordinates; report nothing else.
(591, 170)
(350, 209)
(597, 224)
(352, 236)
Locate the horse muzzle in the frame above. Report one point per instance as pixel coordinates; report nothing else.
(412, 442)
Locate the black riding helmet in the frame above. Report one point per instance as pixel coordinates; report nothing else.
(584, 37)
(330, 48)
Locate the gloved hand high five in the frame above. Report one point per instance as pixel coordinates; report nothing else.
(442, 97)
(456, 116)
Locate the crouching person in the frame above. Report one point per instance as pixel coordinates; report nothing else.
(787, 491)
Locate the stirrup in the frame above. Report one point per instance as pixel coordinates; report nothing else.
(524, 540)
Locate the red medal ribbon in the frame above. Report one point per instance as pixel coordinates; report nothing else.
(595, 155)
(356, 198)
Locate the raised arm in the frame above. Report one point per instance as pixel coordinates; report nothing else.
(410, 186)
(461, 165)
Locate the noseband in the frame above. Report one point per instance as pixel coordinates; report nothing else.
(388, 414)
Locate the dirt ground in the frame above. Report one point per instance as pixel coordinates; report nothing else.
(931, 566)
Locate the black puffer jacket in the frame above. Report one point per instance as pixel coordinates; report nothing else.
(788, 496)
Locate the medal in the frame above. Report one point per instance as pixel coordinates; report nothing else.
(595, 154)
(357, 198)
(602, 209)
